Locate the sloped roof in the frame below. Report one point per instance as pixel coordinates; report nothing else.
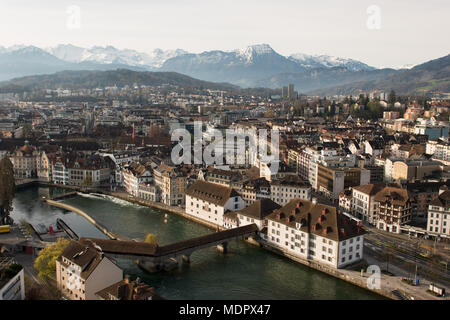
(319, 219)
(211, 192)
(443, 200)
(370, 189)
(397, 196)
(83, 255)
(129, 290)
(259, 209)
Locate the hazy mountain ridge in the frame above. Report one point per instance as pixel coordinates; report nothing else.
(101, 79)
(431, 76)
(242, 66)
(252, 66)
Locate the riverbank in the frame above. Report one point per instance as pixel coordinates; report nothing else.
(245, 272)
(336, 273)
(351, 277)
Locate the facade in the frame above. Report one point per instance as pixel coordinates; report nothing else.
(288, 188)
(415, 170)
(253, 190)
(438, 222)
(223, 177)
(364, 206)
(345, 200)
(172, 184)
(331, 180)
(28, 162)
(134, 175)
(256, 213)
(149, 192)
(12, 286)
(315, 232)
(83, 271)
(439, 149)
(210, 201)
(393, 209)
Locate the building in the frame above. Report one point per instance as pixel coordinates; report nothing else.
(149, 192)
(364, 206)
(28, 162)
(210, 201)
(438, 222)
(223, 177)
(439, 149)
(393, 209)
(332, 180)
(345, 200)
(134, 175)
(128, 290)
(315, 232)
(412, 170)
(12, 279)
(256, 213)
(82, 271)
(253, 190)
(288, 188)
(172, 183)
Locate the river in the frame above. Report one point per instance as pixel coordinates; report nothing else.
(245, 272)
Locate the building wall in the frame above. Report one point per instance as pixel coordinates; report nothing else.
(106, 274)
(438, 221)
(282, 194)
(14, 289)
(315, 247)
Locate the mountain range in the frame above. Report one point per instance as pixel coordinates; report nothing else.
(253, 66)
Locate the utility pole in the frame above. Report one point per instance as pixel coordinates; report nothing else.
(415, 260)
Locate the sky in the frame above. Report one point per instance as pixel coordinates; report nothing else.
(389, 33)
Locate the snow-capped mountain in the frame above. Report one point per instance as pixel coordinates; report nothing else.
(248, 54)
(250, 66)
(325, 61)
(241, 67)
(112, 55)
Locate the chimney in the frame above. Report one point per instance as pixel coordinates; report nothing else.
(122, 291)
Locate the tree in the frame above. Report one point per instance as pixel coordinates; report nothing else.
(45, 263)
(151, 238)
(7, 189)
(391, 97)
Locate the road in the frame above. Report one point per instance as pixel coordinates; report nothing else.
(406, 258)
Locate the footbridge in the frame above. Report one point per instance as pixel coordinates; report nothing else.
(154, 258)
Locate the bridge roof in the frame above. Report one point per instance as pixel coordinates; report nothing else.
(151, 250)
